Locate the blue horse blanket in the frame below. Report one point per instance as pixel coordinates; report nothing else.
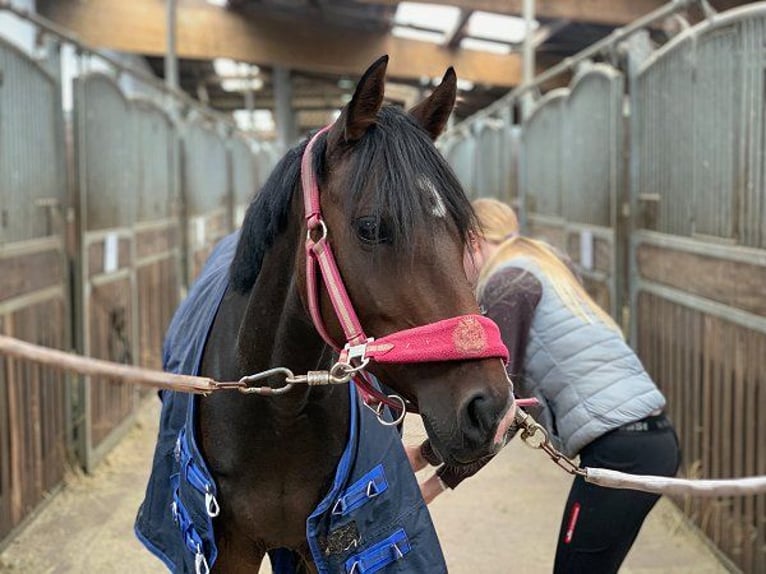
(373, 518)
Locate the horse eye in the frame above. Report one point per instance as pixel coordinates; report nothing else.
(372, 230)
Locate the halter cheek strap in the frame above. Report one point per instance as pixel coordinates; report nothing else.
(455, 339)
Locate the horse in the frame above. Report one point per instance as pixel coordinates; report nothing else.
(397, 221)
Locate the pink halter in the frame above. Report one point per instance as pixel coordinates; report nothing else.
(455, 339)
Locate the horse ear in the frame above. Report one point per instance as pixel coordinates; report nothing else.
(362, 111)
(433, 112)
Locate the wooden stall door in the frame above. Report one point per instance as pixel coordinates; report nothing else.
(34, 278)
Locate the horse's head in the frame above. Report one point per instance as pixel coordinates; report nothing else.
(398, 223)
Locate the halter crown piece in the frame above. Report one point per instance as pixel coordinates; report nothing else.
(455, 339)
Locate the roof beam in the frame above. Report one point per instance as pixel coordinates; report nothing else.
(596, 11)
(231, 102)
(459, 32)
(207, 32)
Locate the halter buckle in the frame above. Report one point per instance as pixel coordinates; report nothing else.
(352, 352)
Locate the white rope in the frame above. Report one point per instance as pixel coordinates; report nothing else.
(749, 486)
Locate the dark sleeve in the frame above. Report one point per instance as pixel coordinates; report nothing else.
(451, 476)
(510, 299)
(427, 452)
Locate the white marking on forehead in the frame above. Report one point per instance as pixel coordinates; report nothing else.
(427, 186)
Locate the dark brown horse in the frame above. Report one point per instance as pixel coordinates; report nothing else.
(398, 222)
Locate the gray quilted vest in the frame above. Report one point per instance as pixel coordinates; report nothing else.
(586, 377)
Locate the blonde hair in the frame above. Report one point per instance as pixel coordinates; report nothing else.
(499, 225)
(497, 220)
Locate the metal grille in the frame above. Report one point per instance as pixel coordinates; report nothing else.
(155, 162)
(490, 152)
(662, 121)
(752, 158)
(108, 167)
(699, 120)
(30, 165)
(205, 172)
(591, 147)
(462, 156)
(716, 101)
(542, 155)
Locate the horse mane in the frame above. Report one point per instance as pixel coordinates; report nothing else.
(265, 218)
(388, 161)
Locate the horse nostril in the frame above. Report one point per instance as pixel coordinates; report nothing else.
(480, 415)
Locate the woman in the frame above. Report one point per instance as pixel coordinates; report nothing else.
(596, 398)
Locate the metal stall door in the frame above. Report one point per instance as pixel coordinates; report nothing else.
(206, 192)
(698, 258)
(263, 165)
(243, 176)
(490, 151)
(34, 278)
(105, 136)
(157, 230)
(591, 183)
(541, 164)
(461, 155)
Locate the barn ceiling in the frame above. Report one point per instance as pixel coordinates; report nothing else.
(317, 95)
(327, 43)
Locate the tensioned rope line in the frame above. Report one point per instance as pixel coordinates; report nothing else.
(536, 437)
(88, 366)
(97, 367)
(531, 432)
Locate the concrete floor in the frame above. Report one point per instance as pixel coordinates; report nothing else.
(504, 520)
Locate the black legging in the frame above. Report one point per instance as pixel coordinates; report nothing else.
(600, 524)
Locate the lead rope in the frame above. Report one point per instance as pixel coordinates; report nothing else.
(340, 372)
(536, 437)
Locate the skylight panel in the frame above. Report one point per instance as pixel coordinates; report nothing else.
(241, 84)
(227, 68)
(485, 46)
(259, 120)
(428, 16)
(487, 26)
(421, 35)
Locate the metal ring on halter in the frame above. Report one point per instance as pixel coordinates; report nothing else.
(321, 224)
(379, 412)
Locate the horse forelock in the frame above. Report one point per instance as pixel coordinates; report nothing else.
(404, 179)
(394, 168)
